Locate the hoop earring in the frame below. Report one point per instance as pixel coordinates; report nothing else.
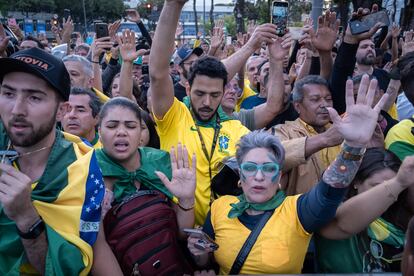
(239, 184)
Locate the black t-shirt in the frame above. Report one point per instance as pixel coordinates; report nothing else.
(382, 77)
(289, 114)
(179, 91)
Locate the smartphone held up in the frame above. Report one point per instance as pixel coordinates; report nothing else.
(365, 23)
(279, 16)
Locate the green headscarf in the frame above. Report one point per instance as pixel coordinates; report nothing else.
(151, 160)
(239, 208)
(212, 123)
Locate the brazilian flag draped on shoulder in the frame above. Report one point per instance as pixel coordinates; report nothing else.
(68, 197)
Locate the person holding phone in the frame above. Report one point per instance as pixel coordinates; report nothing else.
(283, 225)
(133, 16)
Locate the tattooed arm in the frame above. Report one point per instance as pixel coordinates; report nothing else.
(343, 170)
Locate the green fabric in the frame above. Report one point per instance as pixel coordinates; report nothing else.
(13, 258)
(211, 123)
(95, 140)
(52, 182)
(338, 256)
(151, 160)
(239, 208)
(402, 149)
(55, 176)
(383, 231)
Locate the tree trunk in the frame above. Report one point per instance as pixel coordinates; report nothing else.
(195, 16)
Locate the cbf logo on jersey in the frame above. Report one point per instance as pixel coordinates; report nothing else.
(223, 142)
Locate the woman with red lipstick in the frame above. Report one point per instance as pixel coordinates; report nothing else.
(284, 224)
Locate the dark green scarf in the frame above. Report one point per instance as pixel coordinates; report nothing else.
(239, 208)
(151, 160)
(212, 123)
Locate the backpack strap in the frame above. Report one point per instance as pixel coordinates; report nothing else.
(248, 244)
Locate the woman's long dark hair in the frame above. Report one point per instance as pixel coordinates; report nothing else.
(374, 160)
(154, 141)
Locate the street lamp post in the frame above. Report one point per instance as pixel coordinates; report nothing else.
(84, 16)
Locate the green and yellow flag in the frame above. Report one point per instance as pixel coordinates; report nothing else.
(68, 197)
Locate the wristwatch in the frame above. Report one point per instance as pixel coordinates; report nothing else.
(34, 231)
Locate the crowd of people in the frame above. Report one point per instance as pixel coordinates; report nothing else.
(154, 155)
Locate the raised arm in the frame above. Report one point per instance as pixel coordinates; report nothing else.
(395, 33)
(274, 104)
(129, 54)
(317, 207)
(263, 33)
(345, 62)
(161, 83)
(374, 202)
(98, 48)
(324, 39)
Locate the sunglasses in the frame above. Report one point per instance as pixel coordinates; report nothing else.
(269, 169)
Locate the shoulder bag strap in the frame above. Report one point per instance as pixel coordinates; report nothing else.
(248, 244)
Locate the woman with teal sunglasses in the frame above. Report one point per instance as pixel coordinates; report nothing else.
(274, 230)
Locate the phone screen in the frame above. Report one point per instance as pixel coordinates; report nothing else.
(101, 30)
(280, 11)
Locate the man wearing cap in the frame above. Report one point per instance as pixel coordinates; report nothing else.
(184, 57)
(50, 188)
(199, 123)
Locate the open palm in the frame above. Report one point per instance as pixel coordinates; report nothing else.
(280, 47)
(127, 46)
(358, 124)
(326, 34)
(183, 182)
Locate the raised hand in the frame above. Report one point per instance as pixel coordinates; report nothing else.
(127, 46)
(217, 37)
(67, 29)
(183, 182)
(359, 122)
(4, 41)
(325, 37)
(395, 31)
(355, 39)
(100, 46)
(113, 28)
(280, 47)
(408, 42)
(263, 33)
(133, 15)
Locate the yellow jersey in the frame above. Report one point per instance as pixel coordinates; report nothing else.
(247, 92)
(280, 248)
(178, 126)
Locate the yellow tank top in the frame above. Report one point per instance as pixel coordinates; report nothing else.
(279, 249)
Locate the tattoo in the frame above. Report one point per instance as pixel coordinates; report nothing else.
(341, 172)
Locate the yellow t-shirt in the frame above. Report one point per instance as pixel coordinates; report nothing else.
(178, 126)
(280, 248)
(247, 92)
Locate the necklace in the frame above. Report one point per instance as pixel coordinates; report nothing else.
(12, 155)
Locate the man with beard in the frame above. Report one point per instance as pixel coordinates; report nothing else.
(48, 218)
(365, 60)
(199, 122)
(184, 57)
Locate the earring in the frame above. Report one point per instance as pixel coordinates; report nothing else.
(239, 184)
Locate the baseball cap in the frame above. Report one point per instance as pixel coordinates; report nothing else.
(185, 52)
(42, 64)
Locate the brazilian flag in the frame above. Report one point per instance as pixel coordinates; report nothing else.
(68, 197)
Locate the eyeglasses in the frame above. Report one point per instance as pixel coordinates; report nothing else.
(8, 156)
(269, 169)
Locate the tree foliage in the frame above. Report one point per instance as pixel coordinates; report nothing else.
(106, 10)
